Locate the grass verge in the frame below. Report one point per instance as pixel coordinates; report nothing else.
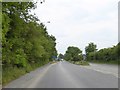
(12, 73)
(83, 63)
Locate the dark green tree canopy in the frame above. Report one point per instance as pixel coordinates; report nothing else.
(111, 54)
(90, 48)
(60, 56)
(73, 53)
(25, 41)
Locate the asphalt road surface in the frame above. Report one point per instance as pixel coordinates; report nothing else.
(65, 75)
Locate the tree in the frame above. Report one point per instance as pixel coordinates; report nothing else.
(73, 54)
(26, 43)
(60, 56)
(90, 48)
(24, 40)
(105, 55)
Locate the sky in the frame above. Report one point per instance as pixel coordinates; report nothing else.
(79, 22)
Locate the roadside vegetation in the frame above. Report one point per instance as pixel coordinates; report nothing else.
(109, 55)
(74, 55)
(26, 44)
(82, 62)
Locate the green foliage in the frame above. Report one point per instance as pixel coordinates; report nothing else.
(60, 56)
(73, 54)
(90, 48)
(106, 55)
(25, 42)
(20, 61)
(84, 63)
(11, 74)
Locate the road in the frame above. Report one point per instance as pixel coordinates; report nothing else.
(65, 75)
(104, 68)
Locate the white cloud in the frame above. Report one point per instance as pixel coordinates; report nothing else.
(78, 22)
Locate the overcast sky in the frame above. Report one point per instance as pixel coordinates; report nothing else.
(79, 22)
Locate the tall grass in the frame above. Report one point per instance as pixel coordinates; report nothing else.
(84, 63)
(12, 73)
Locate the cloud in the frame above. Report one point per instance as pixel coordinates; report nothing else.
(78, 22)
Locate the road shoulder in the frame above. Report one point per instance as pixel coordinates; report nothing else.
(103, 68)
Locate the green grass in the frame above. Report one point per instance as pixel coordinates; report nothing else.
(10, 73)
(52, 62)
(84, 63)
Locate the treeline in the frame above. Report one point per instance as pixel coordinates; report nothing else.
(73, 54)
(107, 55)
(25, 41)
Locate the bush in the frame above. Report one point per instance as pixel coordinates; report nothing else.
(11, 73)
(80, 62)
